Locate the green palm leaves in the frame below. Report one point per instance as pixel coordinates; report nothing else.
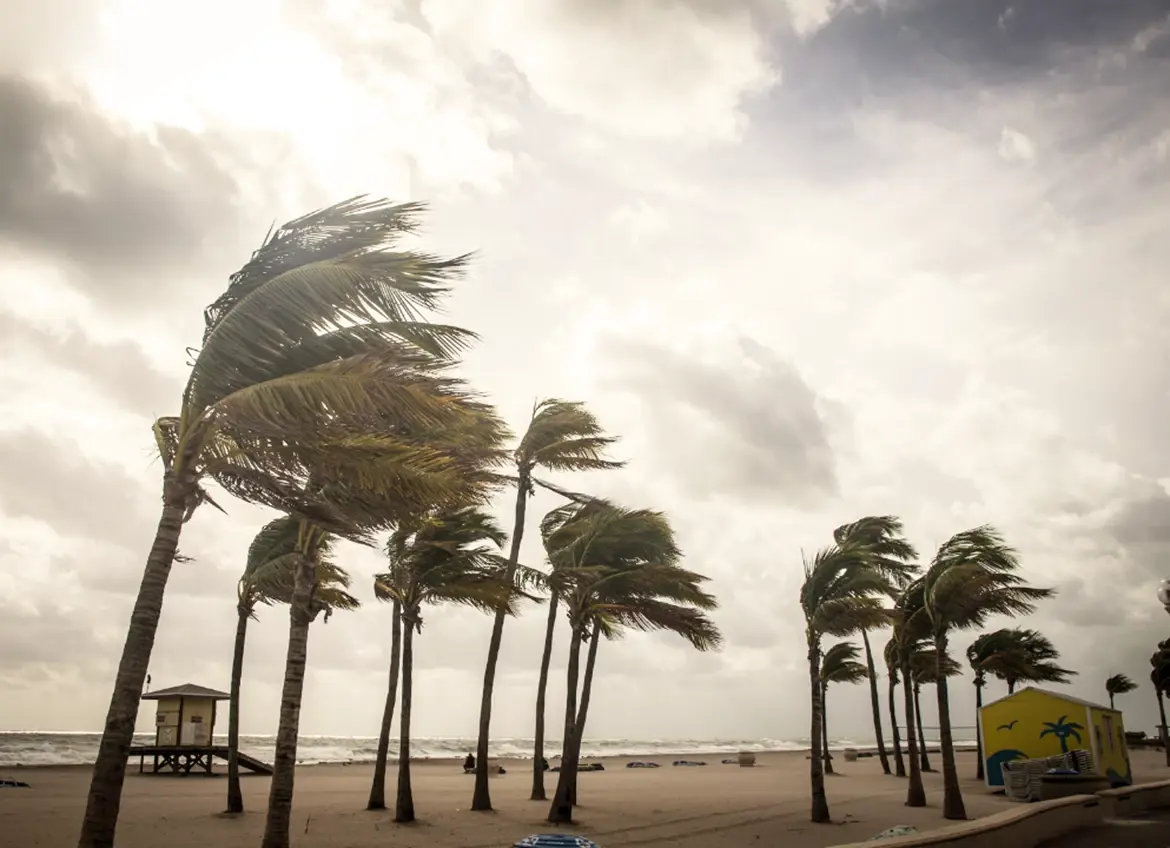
(1118, 684)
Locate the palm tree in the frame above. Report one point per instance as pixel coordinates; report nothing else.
(1034, 661)
(1160, 678)
(561, 436)
(972, 577)
(377, 800)
(839, 596)
(906, 639)
(447, 557)
(1118, 684)
(267, 579)
(892, 556)
(317, 338)
(617, 570)
(924, 665)
(838, 665)
(890, 654)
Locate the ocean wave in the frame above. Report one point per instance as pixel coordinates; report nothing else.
(80, 748)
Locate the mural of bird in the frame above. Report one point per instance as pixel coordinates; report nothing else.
(1008, 726)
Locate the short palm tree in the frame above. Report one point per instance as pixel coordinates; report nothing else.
(561, 436)
(890, 655)
(450, 557)
(838, 665)
(1034, 661)
(616, 570)
(1118, 684)
(972, 577)
(268, 578)
(377, 799)
(891, 555)
(841, 595)
(905, 642)
(315, 346)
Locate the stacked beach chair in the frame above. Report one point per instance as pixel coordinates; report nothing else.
(1021, 778)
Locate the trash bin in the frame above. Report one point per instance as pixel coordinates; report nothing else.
(746, 758)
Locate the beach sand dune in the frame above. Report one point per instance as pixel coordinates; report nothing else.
(712, 807)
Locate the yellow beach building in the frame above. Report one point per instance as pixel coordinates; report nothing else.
(1033, 723)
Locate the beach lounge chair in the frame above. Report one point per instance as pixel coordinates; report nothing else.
(641, 764)
(1021, 778)
(688, 763)
(555, 840)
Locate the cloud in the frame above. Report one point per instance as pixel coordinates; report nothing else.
(1014, 146)
(679, 71)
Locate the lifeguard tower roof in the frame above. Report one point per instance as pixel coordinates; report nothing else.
(187, 690)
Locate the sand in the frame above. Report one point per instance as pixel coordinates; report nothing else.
(714, 806)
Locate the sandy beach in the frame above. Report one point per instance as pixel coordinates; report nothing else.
(713, 806)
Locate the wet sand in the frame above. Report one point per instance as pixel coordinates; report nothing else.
(716, 806)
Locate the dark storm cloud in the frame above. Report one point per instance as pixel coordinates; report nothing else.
(119, 370)
(131, 214)
(49, 480)
(757, 426)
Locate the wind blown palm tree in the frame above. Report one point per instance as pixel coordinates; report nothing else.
(890, 654)
(971, 578)
(838, 665)
(906, 640)
(377, 799)
(561, 436)
(924, 665)
(267, 579)
(448, 557)
(840, 596)
(892, 556)
(1118, 684)
(617, 570)
(315, 345)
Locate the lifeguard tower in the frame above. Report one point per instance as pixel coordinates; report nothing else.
(184, 738)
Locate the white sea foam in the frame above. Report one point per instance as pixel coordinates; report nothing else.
(80, 748)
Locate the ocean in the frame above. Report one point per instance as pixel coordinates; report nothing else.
(48, 749)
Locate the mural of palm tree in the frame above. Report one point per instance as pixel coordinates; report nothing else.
(890, 654)
(561, 436)
(1063, 730)
(1118, 684)
(268, 579)
(839, 665)
(841, 595)
(891, 555)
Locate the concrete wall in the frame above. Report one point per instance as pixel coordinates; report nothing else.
(1132, 800)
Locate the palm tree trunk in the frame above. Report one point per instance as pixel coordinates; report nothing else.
(953, 807)
(825, 727)
(378, 786)
(404, 801)
(979, 773)
(109, 770)
(538, 793)
(921, 734)
(1011, 687)
(284, 763)
(875, 703)
(1111, 700)
(816, 775)
(235, 798)
(915, 792)
(481, 798)
(1165, 736)
(899, 763)
(583, 711)
(561, 811)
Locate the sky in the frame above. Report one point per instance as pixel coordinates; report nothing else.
(810, 259)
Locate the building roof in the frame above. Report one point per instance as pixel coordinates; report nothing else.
(1072, 699)
(187, 690)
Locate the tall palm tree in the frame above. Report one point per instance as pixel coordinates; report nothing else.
(1118, 684)
(1160, 678)
(619, 571)
(925, 665)
(972, 577)
(377, 800)
(447, 557)
(1034, 661)
(890, 655)
(561, 436)
(840, 596)
(891, 555)
(267, 579)
(906, 638)
(315, 338)
(838, 665)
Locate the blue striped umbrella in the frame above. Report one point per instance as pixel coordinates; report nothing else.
(555, 840)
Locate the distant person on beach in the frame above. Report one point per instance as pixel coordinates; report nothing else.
(469, 763)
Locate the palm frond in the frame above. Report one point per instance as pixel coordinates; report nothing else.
(839, 664)
(1119, 684)
(564, 436)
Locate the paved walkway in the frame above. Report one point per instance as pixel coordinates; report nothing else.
(1145, 832)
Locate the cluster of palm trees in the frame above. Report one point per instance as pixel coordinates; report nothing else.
(868, 580)
(323, 390)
